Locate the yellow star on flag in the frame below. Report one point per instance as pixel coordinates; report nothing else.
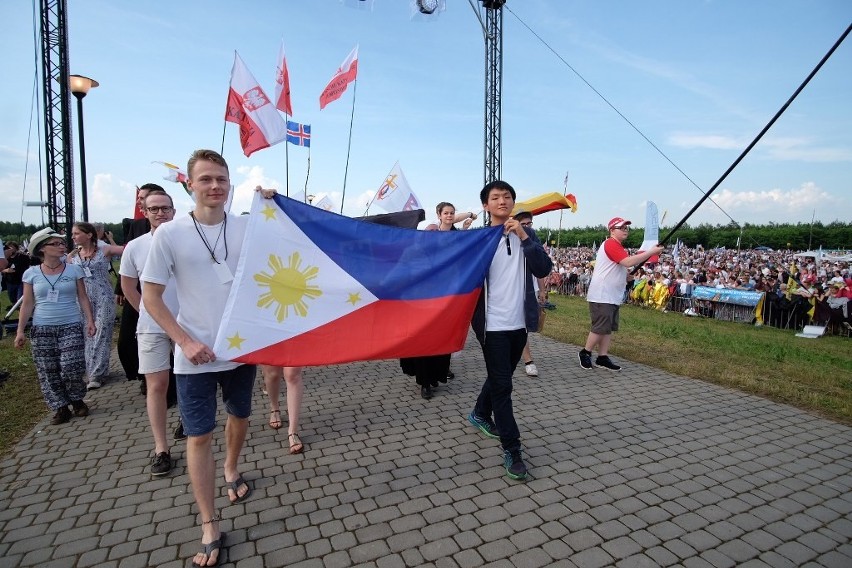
(354, 298)
(235, 342)
(269, 213)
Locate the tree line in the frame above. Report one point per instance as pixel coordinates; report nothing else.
(800, 236)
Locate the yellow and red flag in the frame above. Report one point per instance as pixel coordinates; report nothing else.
(547, 202)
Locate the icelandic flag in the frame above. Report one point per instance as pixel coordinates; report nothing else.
(317, 288)
(299, 134)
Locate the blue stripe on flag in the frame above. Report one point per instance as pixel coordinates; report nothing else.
(395, 263)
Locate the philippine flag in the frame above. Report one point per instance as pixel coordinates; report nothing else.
(317, 288)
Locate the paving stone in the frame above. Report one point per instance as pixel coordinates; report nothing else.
(638, 468)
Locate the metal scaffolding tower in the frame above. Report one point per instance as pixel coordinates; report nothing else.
(493, 87)
(57, 115)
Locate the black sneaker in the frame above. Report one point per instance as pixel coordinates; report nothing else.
(585, 358)
(606, 363)
(515, 466)
(62, 416)
(426, 392)
(80, 408)
(485, 425)
(161, 464)
(179, 433)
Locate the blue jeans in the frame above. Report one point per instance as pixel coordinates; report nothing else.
(502, 351)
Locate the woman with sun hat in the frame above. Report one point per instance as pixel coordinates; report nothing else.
(54, 295)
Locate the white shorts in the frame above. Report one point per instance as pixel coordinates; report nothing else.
(154, 352)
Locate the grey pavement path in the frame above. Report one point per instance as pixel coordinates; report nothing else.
(637, 468)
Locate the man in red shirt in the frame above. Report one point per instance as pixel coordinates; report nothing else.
(606, 292)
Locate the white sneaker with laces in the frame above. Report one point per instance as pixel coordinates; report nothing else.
(531, 369)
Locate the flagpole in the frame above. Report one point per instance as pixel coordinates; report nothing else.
(758, 137)
(287, 157)
(349, 146)
(308, 174)
(222, 149)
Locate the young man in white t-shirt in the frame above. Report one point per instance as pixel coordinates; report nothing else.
(507, 308)
(154, 344)
(200, 252)
(606, 292)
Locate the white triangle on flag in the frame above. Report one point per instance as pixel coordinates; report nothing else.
(284, 286)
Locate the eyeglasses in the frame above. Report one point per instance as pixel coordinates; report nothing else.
(623, 228)
(527, 224)
(55, 244)
(155, 209)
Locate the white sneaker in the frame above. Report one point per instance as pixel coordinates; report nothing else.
(93, 384)
(531, 370)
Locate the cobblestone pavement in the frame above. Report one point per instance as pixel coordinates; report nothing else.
(637, 468)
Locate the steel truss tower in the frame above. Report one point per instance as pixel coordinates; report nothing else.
(57, 116)
(493, 87)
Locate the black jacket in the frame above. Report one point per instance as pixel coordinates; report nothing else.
(538, 265)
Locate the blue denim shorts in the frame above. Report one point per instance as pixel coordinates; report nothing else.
(197, 397)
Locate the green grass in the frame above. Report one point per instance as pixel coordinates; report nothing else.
(21, 403)
(813, 374)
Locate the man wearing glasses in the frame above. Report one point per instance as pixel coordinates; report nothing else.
(606, 292)
(154, 344)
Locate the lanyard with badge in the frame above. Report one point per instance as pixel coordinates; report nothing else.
(53, 293)
(85, 264)
(220, 268)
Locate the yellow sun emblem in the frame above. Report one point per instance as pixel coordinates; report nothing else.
(288, 286)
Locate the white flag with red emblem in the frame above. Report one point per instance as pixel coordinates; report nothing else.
(260, 124)
(395, 194)
(282, 84)
(346, 73)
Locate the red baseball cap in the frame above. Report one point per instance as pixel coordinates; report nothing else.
(616, 222)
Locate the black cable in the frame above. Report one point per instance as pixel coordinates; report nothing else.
(762, 132)
(627, 120)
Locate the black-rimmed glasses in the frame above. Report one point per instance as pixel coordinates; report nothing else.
(157, 209)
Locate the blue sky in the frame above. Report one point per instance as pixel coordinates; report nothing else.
(698, 78)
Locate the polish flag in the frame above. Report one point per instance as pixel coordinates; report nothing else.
(282, 84)
(260, 124)
(346, 73)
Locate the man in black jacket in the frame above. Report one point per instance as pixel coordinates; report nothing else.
(507, 308)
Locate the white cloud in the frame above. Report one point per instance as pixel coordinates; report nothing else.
(711, 141)
(779, 148)
(108, 195)
(805, 197)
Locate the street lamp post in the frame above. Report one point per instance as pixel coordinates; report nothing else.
(80, 86)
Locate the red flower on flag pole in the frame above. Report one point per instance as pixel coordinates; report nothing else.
(346, 73)
(260, 124)
(282, 84)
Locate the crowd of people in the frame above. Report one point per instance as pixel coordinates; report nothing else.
(820, 290)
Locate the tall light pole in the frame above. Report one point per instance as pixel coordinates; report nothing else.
(80, 86)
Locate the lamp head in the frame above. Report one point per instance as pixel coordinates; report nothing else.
(81, 85)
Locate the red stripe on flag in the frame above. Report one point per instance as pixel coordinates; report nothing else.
(387, 329)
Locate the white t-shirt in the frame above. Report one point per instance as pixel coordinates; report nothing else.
(504, 305)
(609, 278)
(132, 263)
(178, 252)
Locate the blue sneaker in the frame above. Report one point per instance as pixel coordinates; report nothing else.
(484, 425)
(515, 466)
